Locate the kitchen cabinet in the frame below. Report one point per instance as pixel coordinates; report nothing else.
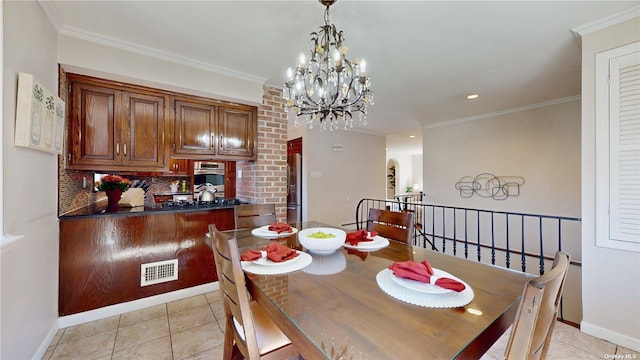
(204, 129)
(230, 179)
(113, 127)
(101, 255)
(237, 129)
(194, 130)
(122, 128)
(179, 167)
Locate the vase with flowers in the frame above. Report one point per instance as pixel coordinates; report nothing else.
(113, 186)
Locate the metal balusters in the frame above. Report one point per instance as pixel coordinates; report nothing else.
(523, 258)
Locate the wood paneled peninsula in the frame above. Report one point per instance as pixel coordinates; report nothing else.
(101, 254)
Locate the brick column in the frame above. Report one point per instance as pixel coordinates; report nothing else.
(264, 181)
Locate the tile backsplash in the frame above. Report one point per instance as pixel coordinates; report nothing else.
(73, 196)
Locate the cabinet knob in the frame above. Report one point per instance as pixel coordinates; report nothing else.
(125, 149)
(117, 148)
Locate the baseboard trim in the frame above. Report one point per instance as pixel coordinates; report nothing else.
(117, 309)
(611, 336)
(42, 349)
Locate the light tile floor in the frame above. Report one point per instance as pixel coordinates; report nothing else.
(193, 328)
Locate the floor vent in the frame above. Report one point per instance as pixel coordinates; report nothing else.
(159, 272)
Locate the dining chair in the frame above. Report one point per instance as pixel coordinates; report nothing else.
(393, 225)
(537, 313)
(247, 325)
(254, 215)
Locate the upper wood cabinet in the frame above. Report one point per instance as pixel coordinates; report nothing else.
(206, 130)
(134, 129)
(194, 130)
(115, 128)
(237, 132)
(179, 167)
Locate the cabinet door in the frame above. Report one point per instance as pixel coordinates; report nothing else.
(194, 129)
(179, 167)
(236, 132)
(92, 135)
(142, 130)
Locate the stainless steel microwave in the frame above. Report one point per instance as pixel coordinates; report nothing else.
(208, 167)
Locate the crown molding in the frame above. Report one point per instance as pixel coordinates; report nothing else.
(158, 54)
(52, 14)
(606, 22)
(503, 112)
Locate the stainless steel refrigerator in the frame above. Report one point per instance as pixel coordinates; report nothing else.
(294, 188)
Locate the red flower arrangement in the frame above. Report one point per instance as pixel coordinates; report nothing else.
(111, 182)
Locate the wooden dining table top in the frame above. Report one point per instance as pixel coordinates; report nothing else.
(334, 307)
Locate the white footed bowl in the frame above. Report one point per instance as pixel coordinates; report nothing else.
(324, 245)
(326, 264)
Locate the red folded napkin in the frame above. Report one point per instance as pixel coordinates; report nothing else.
(356, 237)
(280, 227)
(275, 252)
(423, 272)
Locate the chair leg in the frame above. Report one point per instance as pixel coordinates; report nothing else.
(228, 340)
(547, 340)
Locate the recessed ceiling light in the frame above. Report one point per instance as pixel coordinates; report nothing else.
(412, 136)
(472, 96)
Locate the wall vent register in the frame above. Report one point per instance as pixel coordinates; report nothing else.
(158, 272)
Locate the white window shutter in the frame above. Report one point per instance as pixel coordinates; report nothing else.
(624, 147)
(618, 148)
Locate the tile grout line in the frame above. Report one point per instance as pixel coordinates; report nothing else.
(115, 338)
(166, 311)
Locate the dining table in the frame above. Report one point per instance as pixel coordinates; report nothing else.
(335, 307)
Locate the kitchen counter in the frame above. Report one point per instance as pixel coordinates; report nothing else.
(100, 209)
(102, 254)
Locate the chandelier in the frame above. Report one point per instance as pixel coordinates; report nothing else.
(327, 87)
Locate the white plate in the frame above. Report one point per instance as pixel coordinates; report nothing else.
(423, 287)
(377, 243)
(451, 299)
(264, 232)
(282, 268)
(268, 262)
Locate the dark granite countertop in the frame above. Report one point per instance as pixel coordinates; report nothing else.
(100, 209)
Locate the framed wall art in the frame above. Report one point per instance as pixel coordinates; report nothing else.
(40, 116)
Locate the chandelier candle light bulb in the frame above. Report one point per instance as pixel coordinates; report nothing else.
(326, 86)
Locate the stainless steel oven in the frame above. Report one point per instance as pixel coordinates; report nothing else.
(209, 172)
(208, 167)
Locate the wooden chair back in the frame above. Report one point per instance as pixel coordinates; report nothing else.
(254, 215)
(536, 317)
(247, 325)
(393, 225)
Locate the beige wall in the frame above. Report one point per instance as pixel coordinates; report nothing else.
(336, 180)
(542, 145)
(611, 288)
(29, 266)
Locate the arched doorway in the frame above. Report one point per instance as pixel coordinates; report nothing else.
(392, 178)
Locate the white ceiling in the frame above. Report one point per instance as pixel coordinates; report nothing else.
(423, 57)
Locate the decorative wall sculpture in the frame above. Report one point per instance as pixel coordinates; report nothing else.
(488, 185)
